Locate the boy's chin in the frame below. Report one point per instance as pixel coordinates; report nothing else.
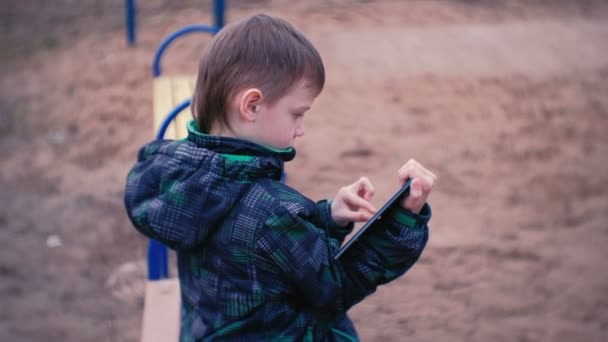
(280, 146)
(274, 146)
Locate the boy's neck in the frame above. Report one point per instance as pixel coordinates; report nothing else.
(220, 130)
(234, 130)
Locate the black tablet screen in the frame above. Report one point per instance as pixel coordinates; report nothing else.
(404, 191)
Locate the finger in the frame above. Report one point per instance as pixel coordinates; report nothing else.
(413, 204)
(417, 173)
(415, 191)
(414, 164)
(419, 166)
(412, 167)
(416, 188)
(358, 202)
(411, 171)
(416, 198)
(407, 165)
(429, 175)
(362, 216)
(357, 216)
(365, 188)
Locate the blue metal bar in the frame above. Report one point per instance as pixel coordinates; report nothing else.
(218, 13)
(183, 31)
(174, 113)
(158, 261)
(130, 20)
(158, 258)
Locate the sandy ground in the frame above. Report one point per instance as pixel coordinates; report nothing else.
(506, 101)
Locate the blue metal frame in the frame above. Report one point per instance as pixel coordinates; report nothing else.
(158, 256)
(130, 20)
(158, 261)
(218, 13)
(172, 115)
(181, 32)
(219, 9)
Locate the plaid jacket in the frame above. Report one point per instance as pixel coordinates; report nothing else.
(254, 255)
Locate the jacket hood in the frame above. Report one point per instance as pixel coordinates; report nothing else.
(178, 191)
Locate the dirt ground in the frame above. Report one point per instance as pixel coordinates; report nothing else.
(506, 100)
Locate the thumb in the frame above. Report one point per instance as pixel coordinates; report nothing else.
(416, 188)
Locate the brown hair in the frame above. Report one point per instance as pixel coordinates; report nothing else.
(258, 51)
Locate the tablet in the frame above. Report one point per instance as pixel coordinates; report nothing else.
(403, 192)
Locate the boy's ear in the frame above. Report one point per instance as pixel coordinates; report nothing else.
(250, 103)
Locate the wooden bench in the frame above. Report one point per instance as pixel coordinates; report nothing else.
(168, 93)
(162, 303)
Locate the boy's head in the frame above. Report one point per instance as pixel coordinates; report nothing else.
(256, 79)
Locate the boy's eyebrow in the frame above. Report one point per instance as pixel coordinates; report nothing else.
(302, 108)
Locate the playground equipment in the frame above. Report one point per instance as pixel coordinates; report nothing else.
(130, 21)
(131, 18)
(171, 95)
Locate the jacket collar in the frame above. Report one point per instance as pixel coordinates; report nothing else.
(236, 147)
(242, 158)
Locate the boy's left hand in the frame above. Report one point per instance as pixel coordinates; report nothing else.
(422, 184)
(351, 203)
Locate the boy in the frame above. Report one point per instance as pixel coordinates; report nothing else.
(255, 257)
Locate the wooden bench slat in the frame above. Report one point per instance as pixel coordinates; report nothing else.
(162, 306)
(161, 318)
(168, 93)
(163, 103)
(182, 89)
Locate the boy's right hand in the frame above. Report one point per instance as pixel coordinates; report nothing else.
(351, 203)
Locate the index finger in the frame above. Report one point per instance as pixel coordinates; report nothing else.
(354, 200)
(365, 188)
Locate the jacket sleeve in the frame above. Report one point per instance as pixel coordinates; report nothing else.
(304, 255)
